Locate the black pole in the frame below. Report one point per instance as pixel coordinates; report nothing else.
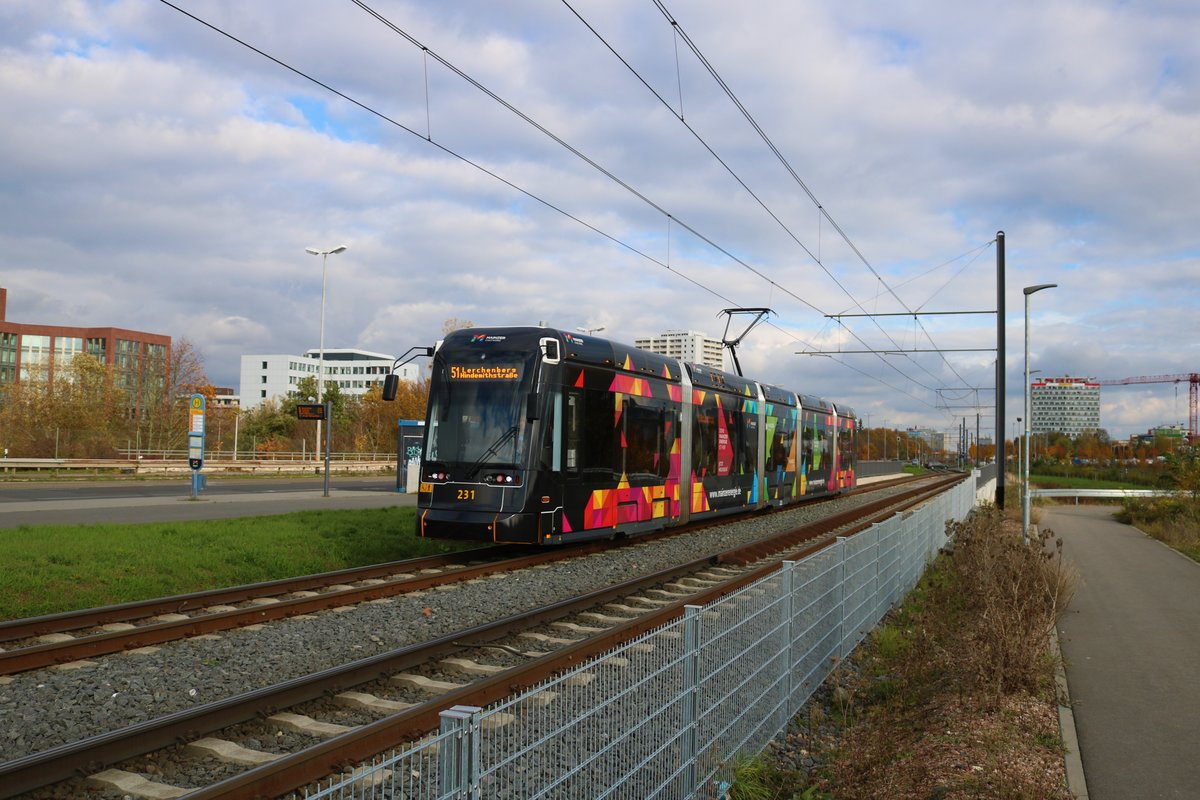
(1000, 455)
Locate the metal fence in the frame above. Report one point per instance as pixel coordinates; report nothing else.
(665, 715)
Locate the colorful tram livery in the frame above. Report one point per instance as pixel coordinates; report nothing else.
(542, 436)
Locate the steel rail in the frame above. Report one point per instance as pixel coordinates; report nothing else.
(68, 760)
(44, 655)
(11, 630)
(298, 769)
(37, 656)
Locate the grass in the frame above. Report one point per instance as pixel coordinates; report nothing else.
(53, 568)
(1175, 521)
(1061, 482)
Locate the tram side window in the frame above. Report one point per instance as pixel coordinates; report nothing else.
(715, 454)
(780, 445)
(591, 441)
(735, 427)
(647, 448)
(809, 434)
(749, 442)
(846, 447)
(704, 441)
(827, 446)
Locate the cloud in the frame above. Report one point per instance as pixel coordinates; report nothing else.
(160, 177)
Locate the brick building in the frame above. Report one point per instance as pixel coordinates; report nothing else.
(140, 361)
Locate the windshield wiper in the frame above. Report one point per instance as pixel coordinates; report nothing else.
(491, 451)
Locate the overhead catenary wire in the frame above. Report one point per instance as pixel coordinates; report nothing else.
(628, 187)
(427, 137)
(822, 211)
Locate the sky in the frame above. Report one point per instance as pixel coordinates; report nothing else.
(639, 165)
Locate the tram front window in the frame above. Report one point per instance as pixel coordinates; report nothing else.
(477, 413)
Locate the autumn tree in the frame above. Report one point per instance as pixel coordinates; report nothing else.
(454, 324)
(76, 412)
(1184, 466)
(267, 428)
(161, 419)
(375, 420)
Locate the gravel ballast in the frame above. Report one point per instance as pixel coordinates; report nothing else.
(50, 707)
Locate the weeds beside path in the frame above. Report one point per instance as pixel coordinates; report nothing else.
(954, 695)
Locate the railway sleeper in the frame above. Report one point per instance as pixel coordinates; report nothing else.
(576, 628)
(229, 752)
(369, 702)
(135, 785)
(650, 601)
(604, 619)
(541, 637)
(468, 667)
(429, 685)
(300, 723)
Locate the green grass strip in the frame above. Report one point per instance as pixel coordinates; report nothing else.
(53, 568)
(1061, 482)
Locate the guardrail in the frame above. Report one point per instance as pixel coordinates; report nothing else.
(1103, 493)
(178, 465)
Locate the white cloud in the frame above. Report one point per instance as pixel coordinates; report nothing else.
(160, 177)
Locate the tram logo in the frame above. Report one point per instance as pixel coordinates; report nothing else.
(486, 337)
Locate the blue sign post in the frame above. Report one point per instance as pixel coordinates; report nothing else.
(196, 408)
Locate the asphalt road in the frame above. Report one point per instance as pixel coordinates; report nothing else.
(166, 500)
(1131, 638)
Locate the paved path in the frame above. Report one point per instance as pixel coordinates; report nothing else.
(1131, 638)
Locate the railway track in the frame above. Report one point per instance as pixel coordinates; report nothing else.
(70, 637)
(302, 730)
(73, 637)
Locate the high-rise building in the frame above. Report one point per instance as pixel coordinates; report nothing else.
(1064, 405)
(354, 372)
(690, 346)
(140, 361)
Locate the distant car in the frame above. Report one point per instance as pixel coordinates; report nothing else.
(935, 465)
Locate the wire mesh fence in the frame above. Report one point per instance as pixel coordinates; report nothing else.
(664, 716)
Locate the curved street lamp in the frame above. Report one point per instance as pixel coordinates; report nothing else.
(1028, 290)
(324, 254)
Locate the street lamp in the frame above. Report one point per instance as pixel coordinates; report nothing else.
(1028, 290)
(590, 331)
(324, 254)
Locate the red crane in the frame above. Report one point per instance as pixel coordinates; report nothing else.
(1193, 380)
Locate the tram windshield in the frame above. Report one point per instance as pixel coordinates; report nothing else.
(477, 409)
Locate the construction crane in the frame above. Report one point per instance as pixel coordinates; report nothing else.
(1193, 381)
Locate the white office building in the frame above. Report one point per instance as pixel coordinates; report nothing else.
(354, 371)
(1065, 405)
(690, 346)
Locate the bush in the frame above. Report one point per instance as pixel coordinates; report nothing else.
(1173, 520)
(1007, 598)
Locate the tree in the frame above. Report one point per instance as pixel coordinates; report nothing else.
(374, 420)
(267, 427)
(454, 323)
(161, 416)
(80, 413)
(1184, 466)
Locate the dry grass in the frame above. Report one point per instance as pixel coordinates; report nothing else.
(1174, 521)
(953, 697)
